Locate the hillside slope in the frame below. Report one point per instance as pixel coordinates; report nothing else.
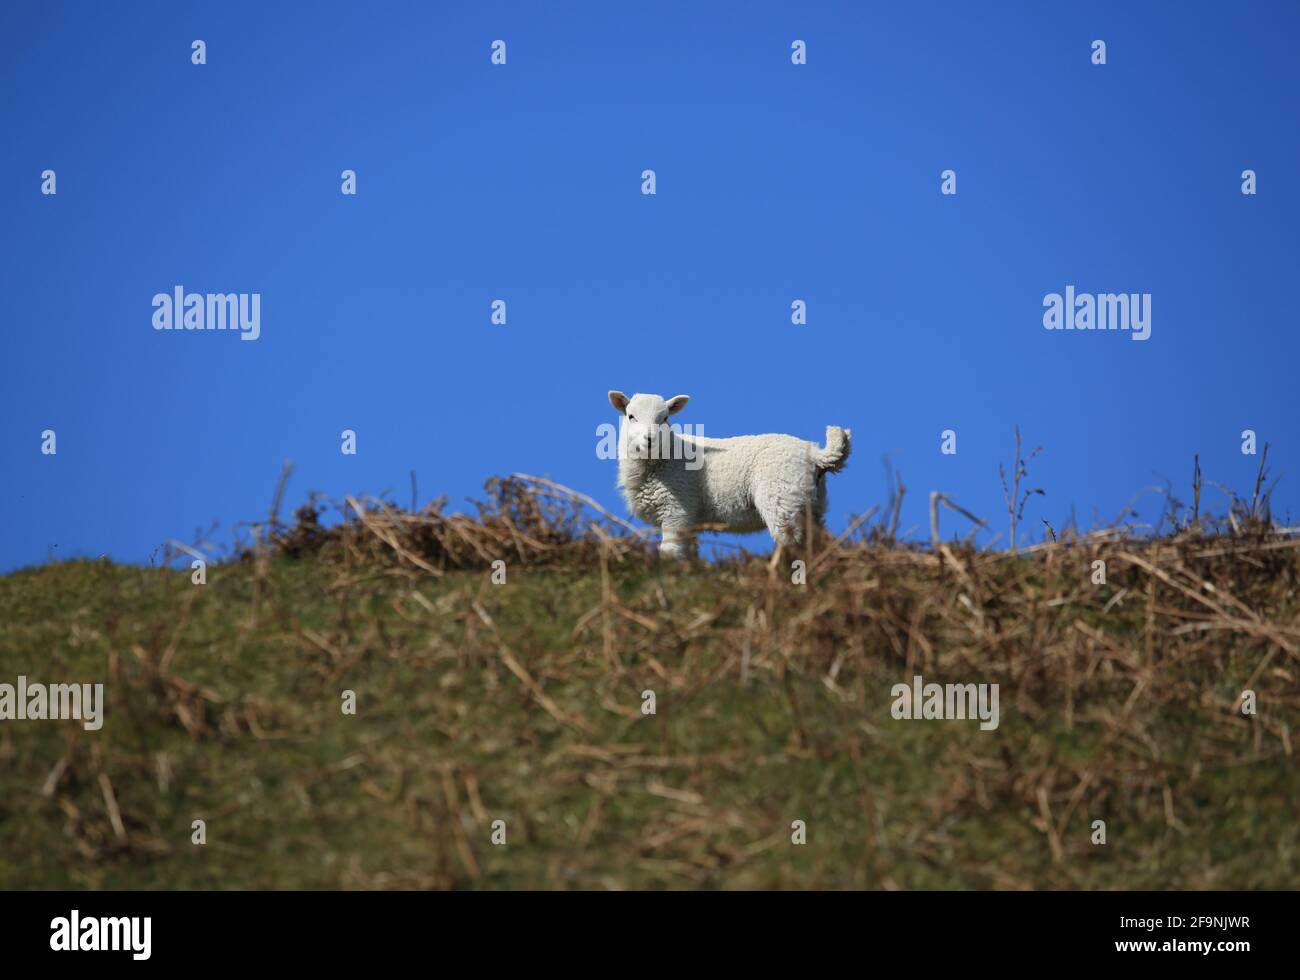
(523, 702)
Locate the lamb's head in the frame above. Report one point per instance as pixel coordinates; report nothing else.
(645, 418)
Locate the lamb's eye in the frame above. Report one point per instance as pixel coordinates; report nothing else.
(631, 418)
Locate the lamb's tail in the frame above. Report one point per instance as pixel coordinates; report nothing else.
(836, 454)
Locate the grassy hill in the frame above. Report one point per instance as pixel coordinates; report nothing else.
(522, 702)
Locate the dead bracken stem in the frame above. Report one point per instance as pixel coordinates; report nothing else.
(1016, 503)
(937, 498)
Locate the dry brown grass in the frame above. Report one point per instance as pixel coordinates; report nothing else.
(1120, 702)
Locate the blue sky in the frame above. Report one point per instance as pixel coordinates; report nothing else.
(522, 182)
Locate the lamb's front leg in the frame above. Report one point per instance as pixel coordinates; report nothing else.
(678, 539)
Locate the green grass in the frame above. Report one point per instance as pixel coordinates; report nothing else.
(223, 704)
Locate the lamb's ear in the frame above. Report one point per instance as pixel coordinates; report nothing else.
(618, 400)
(677, 403)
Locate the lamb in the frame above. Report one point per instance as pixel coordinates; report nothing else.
(746, 483)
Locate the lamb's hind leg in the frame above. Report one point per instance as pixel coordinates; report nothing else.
(787, 538)
(782, 521)
(780, 515)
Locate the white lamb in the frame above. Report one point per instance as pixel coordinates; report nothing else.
(747, 483)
